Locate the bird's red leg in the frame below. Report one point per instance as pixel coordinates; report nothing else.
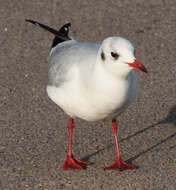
(72, 162)
(119, 164)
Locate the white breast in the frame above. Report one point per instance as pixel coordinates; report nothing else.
(96, 101)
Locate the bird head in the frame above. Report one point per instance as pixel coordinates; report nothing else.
(117, 56)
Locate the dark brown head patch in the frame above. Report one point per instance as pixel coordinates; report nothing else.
(102, 56)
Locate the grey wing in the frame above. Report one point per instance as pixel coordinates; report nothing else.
(59, 64)
(64, 56)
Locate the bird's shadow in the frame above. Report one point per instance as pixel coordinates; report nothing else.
(170, 118)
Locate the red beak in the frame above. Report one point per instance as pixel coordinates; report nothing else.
(137, 65)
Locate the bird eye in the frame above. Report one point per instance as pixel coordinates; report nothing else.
(114, 55)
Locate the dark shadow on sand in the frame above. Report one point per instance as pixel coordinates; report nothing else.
(170, 118)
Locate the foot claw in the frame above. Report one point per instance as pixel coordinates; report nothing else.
(120, 165)
(72, 163)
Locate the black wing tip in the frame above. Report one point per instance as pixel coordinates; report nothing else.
(35, 22)
(63, 31)
(68, 24)
(29, 20)
(60, 36)
(32, 21)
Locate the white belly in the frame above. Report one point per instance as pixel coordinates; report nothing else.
(92, 105)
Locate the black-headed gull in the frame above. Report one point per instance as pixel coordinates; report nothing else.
(92, 81)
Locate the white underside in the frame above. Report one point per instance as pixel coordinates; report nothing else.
(94, 104)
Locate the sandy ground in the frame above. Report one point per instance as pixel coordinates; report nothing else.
(33, 130)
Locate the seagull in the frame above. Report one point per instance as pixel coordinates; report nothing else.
(91, 81)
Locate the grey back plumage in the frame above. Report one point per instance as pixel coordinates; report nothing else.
(65, 55)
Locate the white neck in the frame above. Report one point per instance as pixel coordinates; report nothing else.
(104, 71)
